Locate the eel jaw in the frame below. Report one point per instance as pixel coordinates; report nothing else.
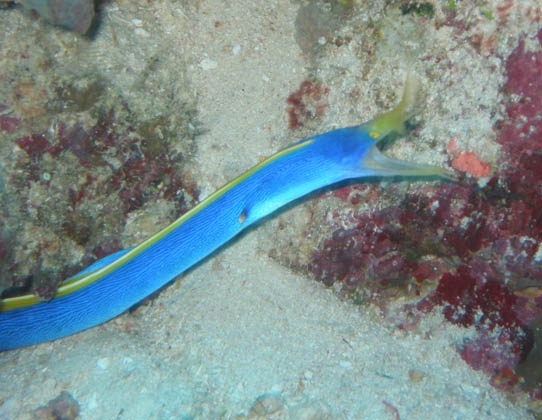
(380, 165)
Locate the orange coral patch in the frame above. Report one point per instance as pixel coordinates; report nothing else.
(470, 163)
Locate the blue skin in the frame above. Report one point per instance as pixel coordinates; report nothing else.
(290, 174)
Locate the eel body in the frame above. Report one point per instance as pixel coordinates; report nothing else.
(113, 284)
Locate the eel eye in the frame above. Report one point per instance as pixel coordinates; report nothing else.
(374, 134)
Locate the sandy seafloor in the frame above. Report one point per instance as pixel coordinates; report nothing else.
(240, 327)
(210, 347)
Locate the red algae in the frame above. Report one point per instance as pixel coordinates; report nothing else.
(479, 248)
(81, 153)
(308, 102)
(9, 124)
(34, 145)
(109, 172)
(503, 340)
(521, 132)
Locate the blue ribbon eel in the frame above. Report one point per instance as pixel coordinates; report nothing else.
(113, 284)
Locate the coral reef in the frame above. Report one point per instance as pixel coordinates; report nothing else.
(117, 173)
(81, 173)
(82, 160)
(472, 251)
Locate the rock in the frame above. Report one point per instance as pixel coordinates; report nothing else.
(75, 15)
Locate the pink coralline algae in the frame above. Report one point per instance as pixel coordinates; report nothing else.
(467, 161)
(474, 252)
